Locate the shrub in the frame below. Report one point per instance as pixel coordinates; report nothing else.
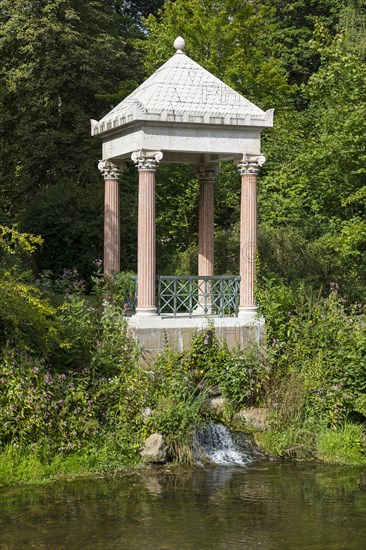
(119, 289)
(79, 327)
(326, 343)
(241, 375)
(25, 318)
(295, 441)
(342, 446)
(319, 366)
(71, 406)
(205, 353)
(176, 395)
(177, 420)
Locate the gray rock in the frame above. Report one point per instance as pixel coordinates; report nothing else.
(146, 413)
(256, 418)
(154, 449)
(216, 405)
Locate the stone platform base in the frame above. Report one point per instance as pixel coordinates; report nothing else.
(154, 333)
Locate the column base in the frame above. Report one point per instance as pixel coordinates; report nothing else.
(146, 312)
(199, 310)
(248, 313)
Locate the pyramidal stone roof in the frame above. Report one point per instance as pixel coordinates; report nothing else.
(183, 91)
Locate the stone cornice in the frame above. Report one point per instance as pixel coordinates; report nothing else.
(250, 164)
(146, 161)
(109, 169)
(139, 114)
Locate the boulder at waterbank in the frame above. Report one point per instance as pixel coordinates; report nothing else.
(154, 449)
(255, 418)
(216, 405)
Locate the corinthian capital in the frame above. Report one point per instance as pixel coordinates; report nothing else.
(109, 170)
(146, 160)
(251, 164)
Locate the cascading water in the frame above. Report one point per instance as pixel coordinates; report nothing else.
(217, 445)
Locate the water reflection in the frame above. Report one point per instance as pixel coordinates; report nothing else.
(266, 505)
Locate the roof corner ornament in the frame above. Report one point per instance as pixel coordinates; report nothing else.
(146, 160)
(251, 164)
(179, 44)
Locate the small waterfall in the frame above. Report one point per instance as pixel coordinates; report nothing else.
(217, 445)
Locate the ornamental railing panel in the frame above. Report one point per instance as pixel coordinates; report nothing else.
(195, 295)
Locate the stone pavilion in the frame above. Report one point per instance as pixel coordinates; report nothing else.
(184, 114)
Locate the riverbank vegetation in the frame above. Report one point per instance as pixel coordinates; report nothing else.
(76, 394)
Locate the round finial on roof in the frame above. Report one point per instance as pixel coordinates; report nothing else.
(179, 44)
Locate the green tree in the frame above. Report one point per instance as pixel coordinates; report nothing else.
(63, 61)
(293, 24)
(313, 195)
(25, 318)
(58, 58)
(229, 38)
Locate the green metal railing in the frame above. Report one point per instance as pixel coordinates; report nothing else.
(198, 295)
(193, 295)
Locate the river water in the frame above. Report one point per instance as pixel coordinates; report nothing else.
(265, 505)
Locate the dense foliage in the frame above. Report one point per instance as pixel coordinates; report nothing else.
(74, 383)
(317, 353)
(305, 58)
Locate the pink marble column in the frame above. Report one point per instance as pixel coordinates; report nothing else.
(146, 164)
(248, 169)
(112, 245)
(206, 175)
